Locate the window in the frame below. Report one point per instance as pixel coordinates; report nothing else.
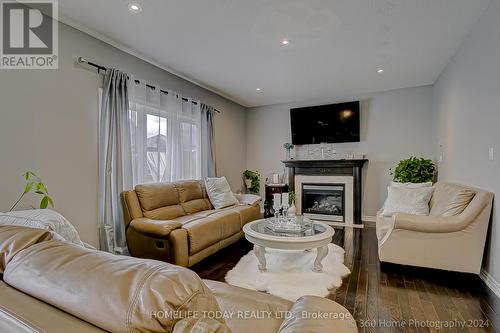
(165, 142)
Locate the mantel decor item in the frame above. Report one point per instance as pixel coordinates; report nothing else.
(252, 180)
(34, 184)
(292, 210)
(414, 170)
(288, 147)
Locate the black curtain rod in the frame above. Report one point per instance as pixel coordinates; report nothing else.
(99, 68)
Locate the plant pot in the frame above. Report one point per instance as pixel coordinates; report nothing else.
(292, 210)
(248, 183)
(287, 154)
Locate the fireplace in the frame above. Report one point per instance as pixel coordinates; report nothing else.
(325, 198)
(326, 201)
(344, 173)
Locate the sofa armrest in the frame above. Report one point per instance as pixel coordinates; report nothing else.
(160, 228)
(317, 314)
(429, 224)
(248, 199)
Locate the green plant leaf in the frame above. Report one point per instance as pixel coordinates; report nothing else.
(44, 203)
(254, 177)
(34, 175)
(28, 187)
(34, 183)
(414, 170)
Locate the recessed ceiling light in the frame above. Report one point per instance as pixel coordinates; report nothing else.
(380, 70)
(134, 7)
(285, 41)
(258, 89)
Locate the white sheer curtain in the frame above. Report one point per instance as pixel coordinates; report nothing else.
(166, 135)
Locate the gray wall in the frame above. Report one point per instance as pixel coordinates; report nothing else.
(394, 125)
(48, 123)
(466, 104)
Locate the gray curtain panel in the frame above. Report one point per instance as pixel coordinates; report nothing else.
(208, 165)
(115, 160)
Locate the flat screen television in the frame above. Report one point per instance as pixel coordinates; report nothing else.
(331, 123)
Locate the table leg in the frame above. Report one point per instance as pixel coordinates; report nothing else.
(260, 253)
(322, 252)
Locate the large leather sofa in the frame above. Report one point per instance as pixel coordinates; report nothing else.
(448, 241)
(175, 222)
(48, 285)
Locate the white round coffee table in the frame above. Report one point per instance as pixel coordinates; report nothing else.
(318, 236)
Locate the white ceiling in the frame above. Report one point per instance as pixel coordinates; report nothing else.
(336, 46)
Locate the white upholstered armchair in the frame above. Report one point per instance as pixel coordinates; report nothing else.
(445, 239)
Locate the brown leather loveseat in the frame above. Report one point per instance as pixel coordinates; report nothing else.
(48, 285)
(175, 222)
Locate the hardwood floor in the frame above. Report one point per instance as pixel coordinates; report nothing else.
(392, 298)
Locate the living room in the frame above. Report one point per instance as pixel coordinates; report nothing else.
(178, 139)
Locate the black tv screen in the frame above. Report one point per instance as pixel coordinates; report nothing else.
(331, 123)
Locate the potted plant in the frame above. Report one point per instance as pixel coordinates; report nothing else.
(288, 146)
(34, 184)
(414, 170)
(252, 180)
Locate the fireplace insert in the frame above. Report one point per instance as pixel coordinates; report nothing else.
(326, 201)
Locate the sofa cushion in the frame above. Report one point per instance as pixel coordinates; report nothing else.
(165, 213)
(247, 213)
(115, 293)
(229, 220)
(195, 206)
(450, 199)
(189, 190)
(206, 231)
(153, 196)
(192, 196)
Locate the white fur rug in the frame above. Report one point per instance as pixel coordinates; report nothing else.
(289, 273)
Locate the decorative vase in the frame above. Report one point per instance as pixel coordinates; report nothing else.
(292, 210)
(248, 183)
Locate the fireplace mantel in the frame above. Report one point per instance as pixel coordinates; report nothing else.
(345, 167)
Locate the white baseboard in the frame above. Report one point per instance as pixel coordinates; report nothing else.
(369, 219)
(490, 282)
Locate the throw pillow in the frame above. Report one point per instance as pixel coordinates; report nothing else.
(411, 185)
(46, 219)
(220, 193)
(408, 185)
(450, 199)
(407, 200)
